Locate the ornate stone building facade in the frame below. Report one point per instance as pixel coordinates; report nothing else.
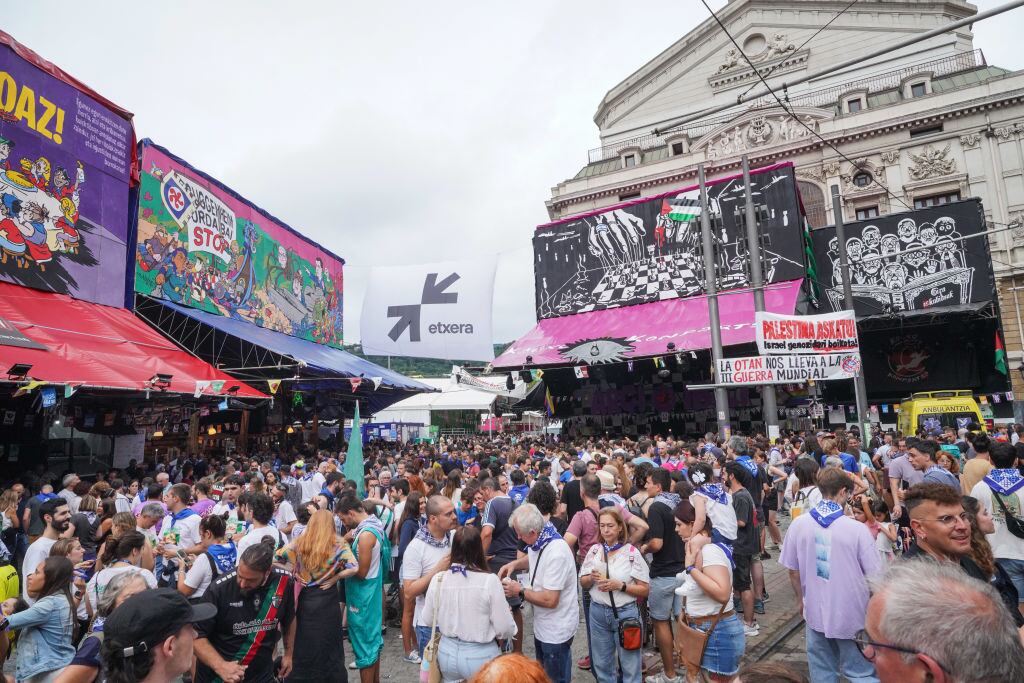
(925, 125)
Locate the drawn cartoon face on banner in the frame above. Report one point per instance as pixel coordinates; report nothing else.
(651, 250)
(908, 262)
(201, 245)
(65, 161)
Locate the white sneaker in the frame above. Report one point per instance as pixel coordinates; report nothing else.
(662, 678)
(751, 630)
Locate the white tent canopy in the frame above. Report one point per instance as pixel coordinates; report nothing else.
(452, 396)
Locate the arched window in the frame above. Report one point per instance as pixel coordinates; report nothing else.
(814, 204)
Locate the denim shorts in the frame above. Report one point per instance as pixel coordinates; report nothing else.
(725, 646)
(662, 601)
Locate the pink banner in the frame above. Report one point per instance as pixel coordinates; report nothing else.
(644, 330)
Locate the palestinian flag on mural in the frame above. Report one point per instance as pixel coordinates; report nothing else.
(681, 209)
(812, 263)
(1000, 360)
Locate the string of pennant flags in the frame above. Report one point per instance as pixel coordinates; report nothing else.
(202, 388)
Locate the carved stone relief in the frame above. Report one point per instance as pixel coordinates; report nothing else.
(970, 140)
(932, 163)
(778, 46)
(760, 131)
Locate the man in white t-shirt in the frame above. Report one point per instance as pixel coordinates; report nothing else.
(551, 590)
(426, 555)
(258, 508)
(229, 500)
(284, 513)
(57, 517)
(310, 483)
(1001, 491)
(179, 531)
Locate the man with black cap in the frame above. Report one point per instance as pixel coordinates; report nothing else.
(149, 637)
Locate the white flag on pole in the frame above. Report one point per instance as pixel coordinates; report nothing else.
(430, 310)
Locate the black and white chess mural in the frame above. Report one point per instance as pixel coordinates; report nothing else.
(929, 258)
(651, 249)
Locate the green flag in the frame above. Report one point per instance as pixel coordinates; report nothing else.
(354, 457)
(1000, 360)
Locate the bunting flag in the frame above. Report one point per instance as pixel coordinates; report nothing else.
(70, 389)
(354, 382)
(629, 365)
(201, 386)
(273, 385)
(536, 374)
(549, 405)
(1009, 395)
(659, 362)
(996, 398)
(217, 386)
(581, 372)
(28, 388)
(377, 381)
(983, 399)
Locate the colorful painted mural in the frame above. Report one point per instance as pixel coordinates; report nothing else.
(201, 245)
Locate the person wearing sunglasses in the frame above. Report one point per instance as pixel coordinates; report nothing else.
(928, 621)
(942, 530)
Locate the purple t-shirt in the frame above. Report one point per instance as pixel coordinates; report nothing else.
(203, 507)
(833, 563)
(900, 468)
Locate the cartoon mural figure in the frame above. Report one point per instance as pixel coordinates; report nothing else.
(5, 153)
(171, 277)
(242, 277)
(11, 240)
(920, 264)
(151, 252)
(40, 210)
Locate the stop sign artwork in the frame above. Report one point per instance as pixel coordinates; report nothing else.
(208, 222)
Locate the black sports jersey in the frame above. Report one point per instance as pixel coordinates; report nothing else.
(247, 627)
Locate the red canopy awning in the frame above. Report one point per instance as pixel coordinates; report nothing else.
(97, 346)
(643, 330)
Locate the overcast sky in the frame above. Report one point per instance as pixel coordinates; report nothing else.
(391, 132)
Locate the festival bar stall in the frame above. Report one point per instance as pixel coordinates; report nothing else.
(623, 322)
(77, 369)
(242, 290)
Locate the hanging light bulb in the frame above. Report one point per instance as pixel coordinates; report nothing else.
(211, 431)
(290, 430)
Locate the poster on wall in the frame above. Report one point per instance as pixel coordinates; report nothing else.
(65, 165)
(203, 246)
(650, 249)
(909, 261)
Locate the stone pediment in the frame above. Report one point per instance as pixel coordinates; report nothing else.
(771, 127)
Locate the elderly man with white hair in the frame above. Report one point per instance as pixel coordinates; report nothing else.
(928, 621)
(551, 589)
(69, 482)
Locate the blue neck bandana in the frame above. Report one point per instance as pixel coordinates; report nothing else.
(547, 534)
(826, 512)
(1004, 481)
(458, 569)
(714, 492)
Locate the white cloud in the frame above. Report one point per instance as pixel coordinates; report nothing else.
(392, 133)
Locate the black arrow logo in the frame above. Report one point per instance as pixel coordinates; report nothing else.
(433, 291)
(409, 315)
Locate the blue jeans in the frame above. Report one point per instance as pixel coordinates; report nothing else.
(607, 654)
(556, 659)
(460, 660)
(585, 597)
(1015, 570)
(423, 634)
(828, 657)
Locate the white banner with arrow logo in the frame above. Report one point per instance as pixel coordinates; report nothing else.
(431, 310)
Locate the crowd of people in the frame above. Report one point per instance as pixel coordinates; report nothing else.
(905, 554)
